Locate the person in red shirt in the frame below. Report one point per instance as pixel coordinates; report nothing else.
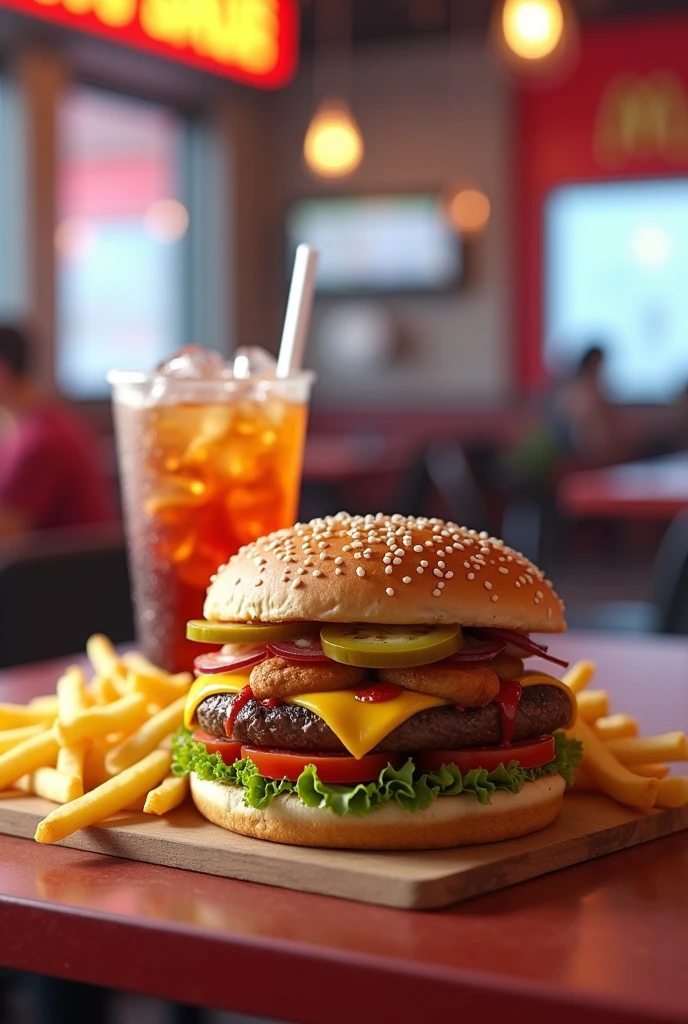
(50, 468)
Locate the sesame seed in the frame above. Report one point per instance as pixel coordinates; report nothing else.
(338, 571)
(347, 547)
(495, 598)
(399, 552)
(441, 554)
(448, 575)
(259, 561)
(308, 561)
(323, 556)
(518, 583)
(301, 572)
(258, 583)
(357, 554)
(417, 547)
(396, 561)
(487, 585)
(420, 569)
(323, 544)
(467, 565)
(441, 564)
(483, 535)
(429, 544)
(471, 576)
(437, 593)
(317, 572)
(406, 579)
(549, 613)
(440, 584)
(390, 592)
(389, 570)
(424, 563)
(338, 560)
(297, 583)
(407, 541)
(360, 571)
(538, 593)
(438, 572)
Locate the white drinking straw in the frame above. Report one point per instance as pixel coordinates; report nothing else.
(298, 315)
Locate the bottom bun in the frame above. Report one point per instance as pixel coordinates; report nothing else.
(448, 821)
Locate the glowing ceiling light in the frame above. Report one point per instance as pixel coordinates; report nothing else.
(532, 28)
(166, 220)
(333, 146)
(468, 210)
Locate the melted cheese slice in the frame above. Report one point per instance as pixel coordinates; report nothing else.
(359, 726)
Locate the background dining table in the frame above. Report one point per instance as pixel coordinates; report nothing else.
(601, 942)
(649, 489)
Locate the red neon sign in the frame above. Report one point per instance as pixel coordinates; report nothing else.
(254, 41)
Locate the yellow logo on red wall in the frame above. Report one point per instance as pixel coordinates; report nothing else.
(254, 40)
(642, 117)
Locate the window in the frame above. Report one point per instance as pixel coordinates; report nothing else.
(616, 272)
(120, 237)
(12, 207)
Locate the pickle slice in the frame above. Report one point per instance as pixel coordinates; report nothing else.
(373, 646)
(247, 632)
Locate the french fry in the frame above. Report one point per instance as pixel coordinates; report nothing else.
(95, 773)
(579, 675)
(123, 714)
(104, 690)
(70, 761)
(105, 662)
(36, 752)
(46, 702)
(171, 792)
(162, 691)
(650, 771)
(105, 800)
(671, 746)
(11, 737)
(14, 716)
(72, 695)
(672, 792)
(593, 705)
(51, 784)
(139, 663)
(147, 738)
(615, 779)
(616, 727)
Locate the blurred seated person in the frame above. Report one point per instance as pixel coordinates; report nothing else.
(50, 474)
(578, 427)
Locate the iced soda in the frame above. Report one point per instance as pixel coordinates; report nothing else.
(209, 461)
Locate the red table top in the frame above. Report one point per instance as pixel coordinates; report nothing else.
(606, 938)
(655, 488)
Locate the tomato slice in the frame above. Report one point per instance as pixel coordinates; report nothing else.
(288, 764)
(246, 632)
(375, 646)
(304, 649)
(229, 750)
(530, 754)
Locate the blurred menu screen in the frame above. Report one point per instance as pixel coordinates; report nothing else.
(616, 273)
(377, 244)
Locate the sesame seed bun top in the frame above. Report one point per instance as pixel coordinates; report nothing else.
(385, 569)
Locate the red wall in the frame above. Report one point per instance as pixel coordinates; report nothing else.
(622, 113)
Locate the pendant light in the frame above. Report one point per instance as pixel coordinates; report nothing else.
(465, 206)
(535, 37)
(333, 146)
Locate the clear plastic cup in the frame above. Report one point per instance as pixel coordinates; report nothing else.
(207, 464)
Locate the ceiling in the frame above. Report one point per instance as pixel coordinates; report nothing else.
(381, 20)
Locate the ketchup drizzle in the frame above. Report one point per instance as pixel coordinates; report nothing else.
(378, 693)
(507, 700)
(241, 699)
(269, 702)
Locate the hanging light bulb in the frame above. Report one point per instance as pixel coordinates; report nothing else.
(532, 28)
(333, 146)
(467, 209)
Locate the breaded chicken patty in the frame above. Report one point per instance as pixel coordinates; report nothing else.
(279, 678)
(474, 686)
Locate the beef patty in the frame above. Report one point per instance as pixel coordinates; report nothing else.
(288, 727)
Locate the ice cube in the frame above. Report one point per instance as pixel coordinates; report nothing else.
(194, 362)
(252, 361)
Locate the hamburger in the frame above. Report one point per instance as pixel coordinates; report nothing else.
(370, 689)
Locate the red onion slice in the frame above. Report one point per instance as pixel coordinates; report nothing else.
(484, 650)
(231, 658)
(304, 649)
(520, 640)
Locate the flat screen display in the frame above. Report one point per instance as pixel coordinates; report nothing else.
(616, 274)
(378, 244)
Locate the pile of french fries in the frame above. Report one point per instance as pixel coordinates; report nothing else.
(631, 769)
(96, 747)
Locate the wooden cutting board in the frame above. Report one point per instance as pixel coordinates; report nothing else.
(589, 826)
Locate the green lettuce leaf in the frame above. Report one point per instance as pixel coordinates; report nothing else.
(411, 791)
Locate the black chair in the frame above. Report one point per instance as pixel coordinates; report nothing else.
(667, 609)
(58, 587)
(442, 472)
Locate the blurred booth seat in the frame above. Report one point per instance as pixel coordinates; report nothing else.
(59, 586)
(667, 609)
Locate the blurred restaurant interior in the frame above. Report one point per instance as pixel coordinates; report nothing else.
(500, 330)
